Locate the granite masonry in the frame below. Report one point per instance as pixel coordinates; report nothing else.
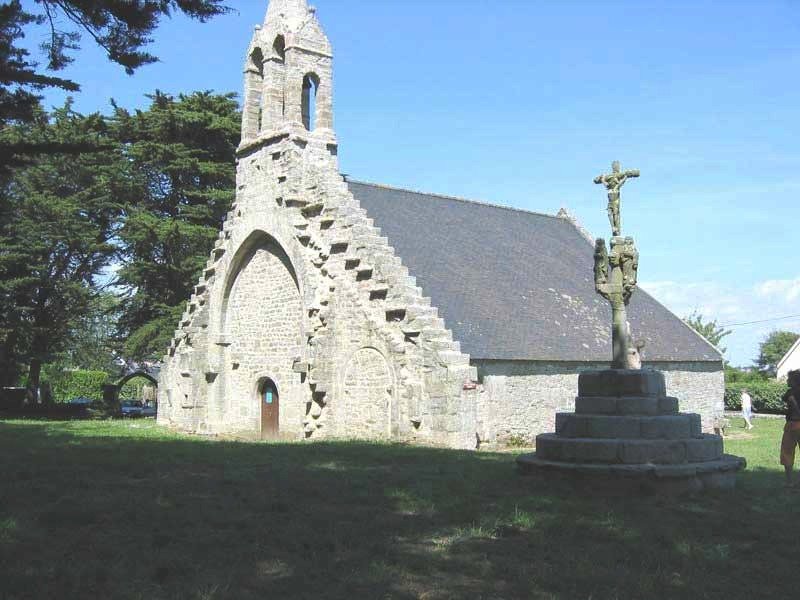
(353, 310)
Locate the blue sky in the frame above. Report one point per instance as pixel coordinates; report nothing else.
(523, 102)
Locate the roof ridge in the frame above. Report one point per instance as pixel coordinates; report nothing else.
(457, 198)
(788, 352)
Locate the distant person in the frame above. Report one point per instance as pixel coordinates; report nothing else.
(747, 409)
(791, 432)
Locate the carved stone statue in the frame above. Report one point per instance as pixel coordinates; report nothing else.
(613, 182)
(600, 261)
(629, 257)
(615, 273)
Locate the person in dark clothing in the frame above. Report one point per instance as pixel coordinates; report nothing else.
(791, 432)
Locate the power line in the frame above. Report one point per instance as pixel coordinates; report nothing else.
(760, 321)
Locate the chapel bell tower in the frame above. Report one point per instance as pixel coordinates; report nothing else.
(288, 76)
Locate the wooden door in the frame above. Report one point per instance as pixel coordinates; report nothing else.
(269, 410)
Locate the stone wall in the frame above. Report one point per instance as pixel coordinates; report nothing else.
(519, 399)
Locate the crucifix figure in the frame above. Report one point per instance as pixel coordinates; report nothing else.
(613, 182)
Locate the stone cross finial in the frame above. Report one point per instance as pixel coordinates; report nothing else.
(613, 182)
(615, 272)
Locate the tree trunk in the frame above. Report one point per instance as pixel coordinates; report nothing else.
(34, 375)
(7, 367)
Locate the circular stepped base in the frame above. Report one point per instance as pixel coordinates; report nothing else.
(680, 478)
(626, 431)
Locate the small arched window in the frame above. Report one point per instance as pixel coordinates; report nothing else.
(279, 46)
(310, 87)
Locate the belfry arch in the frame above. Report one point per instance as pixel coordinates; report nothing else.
(309, 109)
(253, 114)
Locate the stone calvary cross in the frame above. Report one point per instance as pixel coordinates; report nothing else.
(615, 273)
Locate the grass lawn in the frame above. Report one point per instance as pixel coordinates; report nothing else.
(128, 510)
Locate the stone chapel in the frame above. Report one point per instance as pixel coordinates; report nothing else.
(332, 308)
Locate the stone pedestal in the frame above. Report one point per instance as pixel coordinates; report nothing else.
(626, 431)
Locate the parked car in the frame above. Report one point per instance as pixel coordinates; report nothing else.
(149, 409)
(81, 401)
(131, 408)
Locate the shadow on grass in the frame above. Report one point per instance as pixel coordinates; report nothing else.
(126, 511)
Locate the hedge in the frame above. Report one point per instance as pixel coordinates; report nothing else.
(67, 385)
(767, 396)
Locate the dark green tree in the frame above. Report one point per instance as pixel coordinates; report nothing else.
(93, 344)
(182, 153)
(773, 348)
(60, 218)
(123, 28)
(708, 329)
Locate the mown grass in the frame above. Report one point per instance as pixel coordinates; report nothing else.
(127, 510)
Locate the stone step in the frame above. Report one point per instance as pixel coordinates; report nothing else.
(453, 358)
(671, 427)
(422, 311)
(550, 446)
(444, 345)
(621, 382)
(626, 405)
(659, 479)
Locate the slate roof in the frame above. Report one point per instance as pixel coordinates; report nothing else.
(516, 285)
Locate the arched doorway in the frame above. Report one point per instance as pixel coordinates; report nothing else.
(270, 408)
(111, 391)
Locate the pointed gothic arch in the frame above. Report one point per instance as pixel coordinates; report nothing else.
(254, 242)
(262, 320)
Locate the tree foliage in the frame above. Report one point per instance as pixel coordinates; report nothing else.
(64, 185)
(182, 154)
(148, 194)
(123, 28)
(60, 218)
(767, 396)
(708, 329)
(93, 343)
(743, 376)
(773, 348)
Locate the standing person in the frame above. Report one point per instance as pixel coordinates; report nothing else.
(791, 432)
(747, 409)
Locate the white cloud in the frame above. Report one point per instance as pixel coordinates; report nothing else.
(786, 289)
(737, 307)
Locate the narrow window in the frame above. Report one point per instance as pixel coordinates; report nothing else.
(310, 86)
(254, 88)
(279, 50)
